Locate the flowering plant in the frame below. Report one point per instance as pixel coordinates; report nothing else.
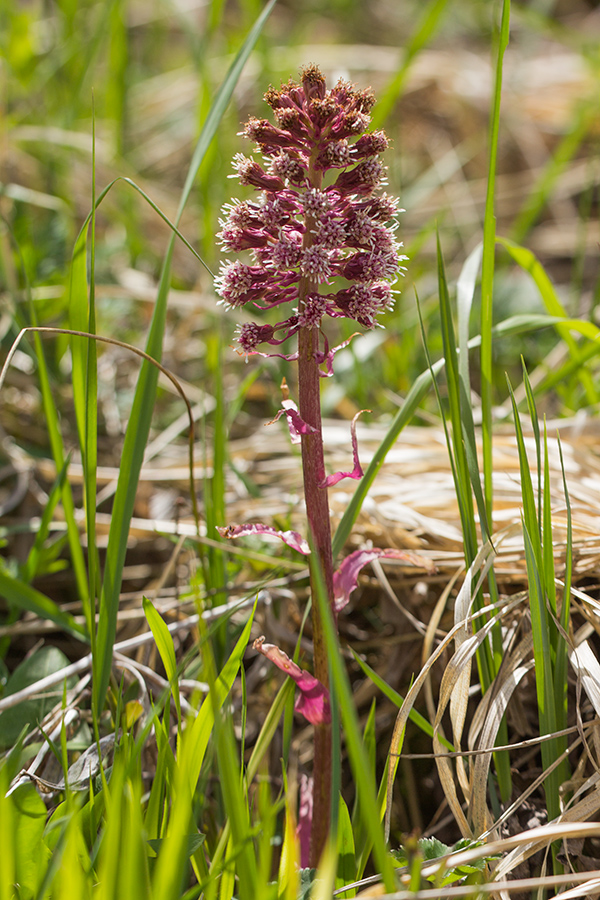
(304, 232)
(322, 244)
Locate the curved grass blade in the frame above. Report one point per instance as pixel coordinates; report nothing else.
(531, 264)
(166, 648)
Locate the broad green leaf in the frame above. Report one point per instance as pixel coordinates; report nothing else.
(43, 662)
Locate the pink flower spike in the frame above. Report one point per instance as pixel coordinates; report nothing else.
(357, 471)
(345, 579)
(297, 426)
(313, 699)
(291, 538)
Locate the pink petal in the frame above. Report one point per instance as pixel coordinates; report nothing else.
(345, 579)
(296, 425)
(357, 471)
(291, 538)
(305, 816)
(313, 699)
(326, 355)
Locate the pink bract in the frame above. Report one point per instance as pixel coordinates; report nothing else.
(345, 579)
(313, 699)
(357, 471)
(291, 538)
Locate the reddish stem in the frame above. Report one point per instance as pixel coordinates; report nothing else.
(317, 512)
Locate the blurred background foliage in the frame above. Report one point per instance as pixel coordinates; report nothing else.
(147, 72)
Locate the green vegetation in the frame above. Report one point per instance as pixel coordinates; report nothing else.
(145, 751)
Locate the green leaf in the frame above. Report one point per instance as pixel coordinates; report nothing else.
(43, 662)
(362, 773)
(530, 264)
(488, 262)
(346, 872)
(31, 854)
(307, 880)
(432, 848)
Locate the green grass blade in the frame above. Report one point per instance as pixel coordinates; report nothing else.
(214, 487)
(59, 456)
(533, 416)
(540, 622)
(235, 800)
(90, 446)
(544, 681)
(520, 324)
(222, 101)
(346, 872)
(166, 648)
(269, 728)
(487, 268)
(529, 505)
(141, 412)
(561, 669)
(462, 453)
(396, 698)
(547, 539)
(198, 733)
(26, 597)
(530, 264)
(465, 291)
(463, 433)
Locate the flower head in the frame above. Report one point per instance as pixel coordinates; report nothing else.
(319, 215)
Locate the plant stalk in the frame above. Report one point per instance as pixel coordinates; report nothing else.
(317, 514)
